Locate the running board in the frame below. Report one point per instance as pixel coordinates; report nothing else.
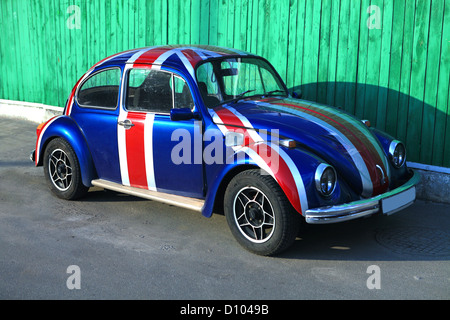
(179, 201)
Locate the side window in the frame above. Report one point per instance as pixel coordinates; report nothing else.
(149, 91)
(182, 94)
(100, 90)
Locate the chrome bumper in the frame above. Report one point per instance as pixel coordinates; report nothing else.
(388, 203)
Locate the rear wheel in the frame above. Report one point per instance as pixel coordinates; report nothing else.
(259, 214)
(62, 170)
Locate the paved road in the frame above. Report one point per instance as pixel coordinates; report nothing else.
(129, 248)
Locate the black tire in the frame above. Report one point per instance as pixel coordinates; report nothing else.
(259, 215)
(62, 170)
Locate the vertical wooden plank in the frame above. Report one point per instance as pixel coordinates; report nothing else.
(151, 24)
(156, 22)
(333, 54)
(441, 142)
(283, 38)
(240, 34)
(418, 68)
(292, 43)
(7, 61)
(373, 67)
(195, 22)
(51, 83)
(352, 62)
(324, 52)
(222, 22)
(405, 81)
(20, 48)
(59, 24)
(342, 53)
(254, 9)
(383, 82)
(172, 33)
(213, 19)
(446, 161)
(141, 8)
(164, 22)
(362, 60)
(230, 23)
(41, 16)
(431, 81)
(395, 65)
(113, 34)
(31, 83)
(2, 49)
(187, 23)
(132, 27)
(311, 52)
(204, 22)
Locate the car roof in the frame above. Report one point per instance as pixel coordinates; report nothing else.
(178, 56)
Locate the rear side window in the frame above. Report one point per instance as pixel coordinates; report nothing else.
(101, 90)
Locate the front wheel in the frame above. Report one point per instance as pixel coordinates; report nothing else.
(258, 213)
(62, 170)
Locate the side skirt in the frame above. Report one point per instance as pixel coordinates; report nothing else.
(179, 201)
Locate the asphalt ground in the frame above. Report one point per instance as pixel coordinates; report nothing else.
(124, 247)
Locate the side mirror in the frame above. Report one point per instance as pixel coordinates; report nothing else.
(297, 94)
(181, 114)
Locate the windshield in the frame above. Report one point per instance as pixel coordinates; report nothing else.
(232, 79)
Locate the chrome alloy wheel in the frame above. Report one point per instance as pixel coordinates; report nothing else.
(60, 169)
(253, 214)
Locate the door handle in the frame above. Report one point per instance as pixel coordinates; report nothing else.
(127, 124)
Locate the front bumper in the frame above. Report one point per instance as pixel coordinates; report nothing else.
(387, 203)
(33, 155)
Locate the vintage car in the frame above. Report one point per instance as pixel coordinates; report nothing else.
(215, 130)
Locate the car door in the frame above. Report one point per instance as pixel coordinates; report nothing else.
(97, 113)
(156, 153)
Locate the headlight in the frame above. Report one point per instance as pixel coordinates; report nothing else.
(325, 179)
(397, 152)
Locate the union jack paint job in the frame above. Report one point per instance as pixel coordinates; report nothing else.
(140, 157)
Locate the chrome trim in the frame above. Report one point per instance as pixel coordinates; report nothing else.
(171, 199)
(318, 175)
(359, 208)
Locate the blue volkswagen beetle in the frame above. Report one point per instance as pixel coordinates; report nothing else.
(215, 130)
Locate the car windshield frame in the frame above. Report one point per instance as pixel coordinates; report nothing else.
(216, 90)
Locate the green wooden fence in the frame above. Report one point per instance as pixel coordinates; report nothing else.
(383, 60)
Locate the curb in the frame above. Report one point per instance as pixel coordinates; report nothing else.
(434, 184)
(30, 111)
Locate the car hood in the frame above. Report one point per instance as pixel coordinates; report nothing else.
(331, 134)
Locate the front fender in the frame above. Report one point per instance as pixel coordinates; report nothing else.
(293, 169)
(65, 127)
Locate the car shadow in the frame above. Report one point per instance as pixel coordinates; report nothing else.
(97, 194)
(404, 236)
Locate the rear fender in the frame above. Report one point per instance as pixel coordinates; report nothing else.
(66, 128)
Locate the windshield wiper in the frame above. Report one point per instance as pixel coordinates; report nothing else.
(239, 96)
(273, 91)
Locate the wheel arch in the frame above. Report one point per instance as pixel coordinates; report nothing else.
(64, 127)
